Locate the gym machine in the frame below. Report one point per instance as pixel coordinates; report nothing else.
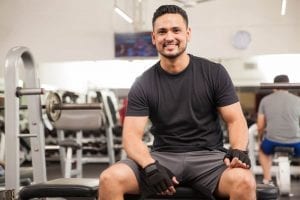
(12, 132)
(282, 169)
(82, 188)
(282, 158)
(16, 57)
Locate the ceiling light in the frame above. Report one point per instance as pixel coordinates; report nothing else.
(283, 7)
(123, 15)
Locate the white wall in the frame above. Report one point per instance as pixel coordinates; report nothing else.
(120, 74)
(83, 76)
(68, 30)
(58, 30)
(79, 30)
(215, 23)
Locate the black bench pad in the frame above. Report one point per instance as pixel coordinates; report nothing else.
(263, 192)
(182, 192)
(266, 192)
(62, 187)
(84, 187)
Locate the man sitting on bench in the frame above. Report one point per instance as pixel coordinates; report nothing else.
(183, 96)
(278, 125)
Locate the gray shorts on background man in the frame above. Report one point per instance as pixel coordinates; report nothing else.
(200, 170)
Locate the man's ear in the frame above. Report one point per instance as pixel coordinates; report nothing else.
(153, 38)
(189, 33)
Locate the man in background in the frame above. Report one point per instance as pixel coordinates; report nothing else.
(278, 125)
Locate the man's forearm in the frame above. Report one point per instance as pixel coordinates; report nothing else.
(138, 151)
(238, 135)
(260, 133)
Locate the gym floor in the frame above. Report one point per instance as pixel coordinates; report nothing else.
(92, 170)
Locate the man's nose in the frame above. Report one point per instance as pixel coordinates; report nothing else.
(169, 36)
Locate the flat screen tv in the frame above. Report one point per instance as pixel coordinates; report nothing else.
(134, 45)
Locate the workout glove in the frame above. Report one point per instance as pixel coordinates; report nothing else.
(158, 176)
(241, 155)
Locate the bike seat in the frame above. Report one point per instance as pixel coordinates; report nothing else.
(288, 150)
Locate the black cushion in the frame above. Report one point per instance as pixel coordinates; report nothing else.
(288, 150)
(84, 187)
(182, 193)
(266, 192)
(263, 192)
(69, 143)
(62, 187)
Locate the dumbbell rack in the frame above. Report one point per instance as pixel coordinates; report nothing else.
(12, 132)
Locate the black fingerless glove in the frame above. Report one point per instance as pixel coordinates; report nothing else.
(241, 155)
(158, 176)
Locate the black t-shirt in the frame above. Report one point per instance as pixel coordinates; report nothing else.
(183, 107)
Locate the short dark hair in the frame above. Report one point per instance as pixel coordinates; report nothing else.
(170, 9)
(282, 78)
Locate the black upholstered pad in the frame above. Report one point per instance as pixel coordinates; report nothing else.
(266, 192)
(63, 187)
(181, 193)
(288, 150)
(70, 143)
(84, 187)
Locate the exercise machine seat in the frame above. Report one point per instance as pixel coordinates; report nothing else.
(84, 187)
(263, 192)
(287, 150)
(182, 192)
(62, 187)
(70, 143)
(266, 192)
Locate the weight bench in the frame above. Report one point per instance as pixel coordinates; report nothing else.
(84, 188)
(62, 187)
(71, 145)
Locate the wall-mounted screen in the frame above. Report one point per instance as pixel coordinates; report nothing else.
(134, 45)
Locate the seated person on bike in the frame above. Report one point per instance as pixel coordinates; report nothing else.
(278, 125)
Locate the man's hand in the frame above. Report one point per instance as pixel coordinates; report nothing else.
(160, 178)
(237, 158)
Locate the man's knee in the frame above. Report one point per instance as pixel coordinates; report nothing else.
(246, 180)
(118, 177)
(110, 176)
(105, 177)
(237, 180)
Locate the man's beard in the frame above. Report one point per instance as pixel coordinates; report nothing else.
(173, 56)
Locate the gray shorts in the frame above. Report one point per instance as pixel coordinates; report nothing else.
(197, 169)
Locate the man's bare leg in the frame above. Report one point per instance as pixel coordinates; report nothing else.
(116, 181)
(237, 183)
(266, 164)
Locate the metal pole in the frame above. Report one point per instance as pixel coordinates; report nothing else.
(35, 120)
(12, 174)
(280, 85)
(11, 116)
(29, 91)
(70, 106)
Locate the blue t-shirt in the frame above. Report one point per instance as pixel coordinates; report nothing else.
(183, 107)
